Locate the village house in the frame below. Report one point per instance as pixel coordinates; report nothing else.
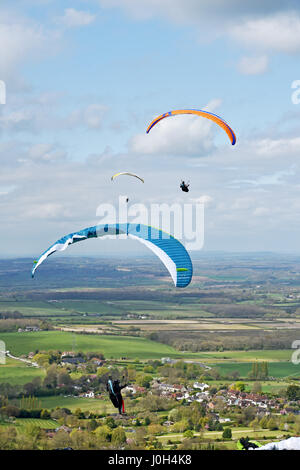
(89, 394)
(168, 423)
(224, 420)
(97, 361)
(243, 400)
(68, 354)
(201, 396)
(28, 329)
(63, 428)
(168, 389)
(72, 360)
(168, 360)
(200, 386)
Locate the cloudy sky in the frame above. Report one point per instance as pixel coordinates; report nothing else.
(85, 78)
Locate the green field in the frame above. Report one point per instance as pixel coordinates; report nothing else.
(33, 308)
(163, 309)
(63, 308)
(270, 355)
(237, 433)
(130, 347)
(276, 369)
(18, 373)
(42, 423)
(110, 346)
(85, 404)
(267, 386)
(20, 423)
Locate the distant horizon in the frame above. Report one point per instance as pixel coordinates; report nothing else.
(131, 254)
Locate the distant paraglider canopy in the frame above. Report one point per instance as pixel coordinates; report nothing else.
(128, 174)
(206, 114)
(169, 250)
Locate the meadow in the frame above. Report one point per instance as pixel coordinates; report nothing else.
(18, 373)
(262, 435)
(276, 369)
(111, 346)
(73, 403)
(22, 423)
(114, 347)
(32, 308)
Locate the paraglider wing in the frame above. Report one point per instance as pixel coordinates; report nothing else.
(206, 114)
(169, 250)
(112, 395)
(128, 174)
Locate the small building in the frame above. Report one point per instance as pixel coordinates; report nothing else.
(168, 423)
(168, 360)
(68, 354)
(63, 428)
(200, 386)
(32, 328)
(72, 360)
(97, 361)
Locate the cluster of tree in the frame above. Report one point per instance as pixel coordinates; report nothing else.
(12, 324)
(33, 437)
(10, 391)
(275, 422)
(241, 310)
(293, 393)
(196, 341)
(9, 314)
(144, 293)
(260, 370)
(16, 412)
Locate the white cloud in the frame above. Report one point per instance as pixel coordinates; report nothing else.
(19, 41)
(45, 211)
(4, 190)
(92, 116)
(34, 113)
(260, 26)
(186, 135)
(274, 147)
(279, 177)
(276, 33)
(253, 65)
(73, 18)
(261, 212)
(46, 153)
(16, 119)
(205, 199)
(196, 11)
(22, 39)
(178, 135)
(265, 24)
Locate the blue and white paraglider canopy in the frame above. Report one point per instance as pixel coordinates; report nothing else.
(169, 250)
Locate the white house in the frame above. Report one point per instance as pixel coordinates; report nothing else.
(200, 386)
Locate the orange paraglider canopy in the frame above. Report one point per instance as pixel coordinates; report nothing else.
(206, 114)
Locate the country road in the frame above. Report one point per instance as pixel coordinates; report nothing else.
(34, 364)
